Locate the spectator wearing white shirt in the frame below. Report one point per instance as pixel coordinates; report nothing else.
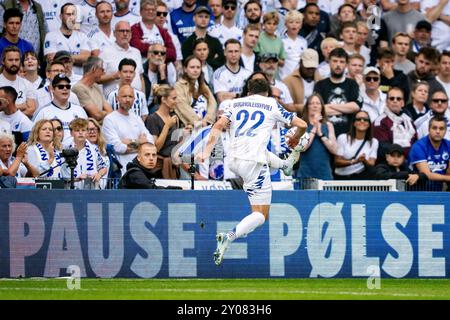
(293, 43)
(250, 38)
(124, 129)
(31, 68)
(438, 105)
(437, 12)
(123, 13)
(69, 39)
(115, 53)
(227, 29)
(374, 100)
(102, 36)
(444, 71)
(327, 45)
(26, 95)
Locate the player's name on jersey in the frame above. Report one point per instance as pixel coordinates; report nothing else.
(253, 105)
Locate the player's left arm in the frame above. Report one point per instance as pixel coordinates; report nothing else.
(214, 135)
(301, 129)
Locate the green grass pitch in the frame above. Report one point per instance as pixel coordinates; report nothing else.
(226, 289)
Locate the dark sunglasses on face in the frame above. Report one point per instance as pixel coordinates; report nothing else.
(59, 128)
(156, 52)
(161, 13)
(362, 119)
(228, 7)
(395, 98)
(439, 100)
(63, 86)
(374, 79)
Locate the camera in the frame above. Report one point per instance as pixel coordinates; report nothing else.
(71, 156)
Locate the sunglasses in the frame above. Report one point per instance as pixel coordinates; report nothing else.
(228, 7)
(92, 130)
(374, 79)
(439, 100)
(63, 86)
(362, 119)
(59, 128)
(395, 98)
(156, 52)
(161, 13)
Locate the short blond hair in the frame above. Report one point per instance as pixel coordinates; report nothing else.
(328, 41)
(272, 15)
(293, 15)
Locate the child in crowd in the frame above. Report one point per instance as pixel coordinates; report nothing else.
(268, 41)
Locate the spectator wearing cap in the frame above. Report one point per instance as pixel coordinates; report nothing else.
(401, 45)
(64, 57)
(229, 79)
(26, 95)
(390, 77)
(421, 38)
(402, 19)
(340, 94)
(438, 13)
(395, 167)
(394, 125)
(249, 58)
(182, 19)
(268, 63)
(429, 155)
(89, 92)
(302, 80)
(20, 124)
(114, 54)
(146, 32)
(12, 19)
(374, 99)
(268, 41)
(44, 95)
(202, 19)
(444, 71)
(123, 12)
(227, 29)
(293, 43)
(424, 60)
(66, 38)
(310, 28)
(60, 107)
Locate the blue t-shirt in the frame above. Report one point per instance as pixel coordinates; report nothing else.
(23, 45)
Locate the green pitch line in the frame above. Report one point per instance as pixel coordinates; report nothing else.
(227, 289)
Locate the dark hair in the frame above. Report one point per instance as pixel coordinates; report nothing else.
(348, 24)
(256, 86)
(249, 2)
(232, 41)
(346, 5)
(311, 4)
(386, 53)
(9, 49)
(10, 92)
(198, 41)
(351, 134)
(437, 118)
(305, 114)
(12, 13)
(245, 86)
(63, 7)
(127, 62)
(102, 2)
(429, 53)
(339, 53)
(397, 89)
(444, 53)
(202, 86)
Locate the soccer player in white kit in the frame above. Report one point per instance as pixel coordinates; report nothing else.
(252, 119)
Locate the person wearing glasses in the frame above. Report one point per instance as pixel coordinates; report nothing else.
(356, 150)
(43, 150)
(438, 105)
(147, 31)
(227, 29)
(60, 107)
(67, 38)
(394, 125)
(89, 92)
(58, 130)
(374, 99)
(115, 53)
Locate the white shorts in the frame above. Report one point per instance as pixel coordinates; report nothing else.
(257, 183)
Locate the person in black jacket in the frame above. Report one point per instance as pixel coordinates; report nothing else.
(395, 167)
(139, 174)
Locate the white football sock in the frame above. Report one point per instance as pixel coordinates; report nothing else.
(275, 162)
(248, 224)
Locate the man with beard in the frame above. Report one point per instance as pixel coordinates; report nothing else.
(430, 154)
(301, 82)
(340, 94)
(115, 53)
(123, 13)
(182, 20)
(66, 38)
(102, 36)
(310, 30)
(252, 14)
(424, 60)
(268, 63)
(438, 106)
(124, 129)
(156, 71)
(26, 95)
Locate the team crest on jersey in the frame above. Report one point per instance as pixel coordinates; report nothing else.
(47, 44)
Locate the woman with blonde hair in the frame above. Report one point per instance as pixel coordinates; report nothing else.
(42, 150)
(195, 101)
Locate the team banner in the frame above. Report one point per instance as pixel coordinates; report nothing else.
(168, 234)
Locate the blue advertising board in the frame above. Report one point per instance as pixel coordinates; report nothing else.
(169, 234)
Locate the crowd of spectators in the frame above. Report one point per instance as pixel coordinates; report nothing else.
(125, 83)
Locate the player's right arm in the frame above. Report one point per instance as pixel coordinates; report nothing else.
(214, 135)
(301, 129)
